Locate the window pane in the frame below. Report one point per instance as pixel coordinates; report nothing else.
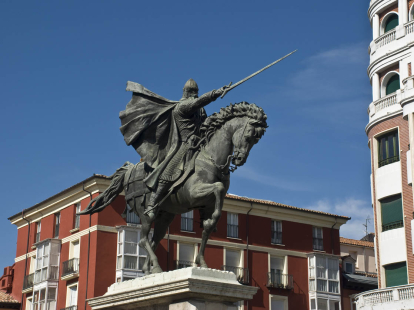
(46, 250)
(130, 262)
(131, 236)
(312, 273)
(141, 262)
(322, 304)
(321, 285)
(51, 294)
(43, 295)
(277, 304)
(312, 285)
(119, 248)
(334, 305)
(119, 262)
(396, 274)
(313, 304)
(333, 287)
(131, 248)
(312, 261)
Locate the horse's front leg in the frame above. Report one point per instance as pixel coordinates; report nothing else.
(200, 192)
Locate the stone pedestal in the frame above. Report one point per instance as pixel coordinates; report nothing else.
(190, 288)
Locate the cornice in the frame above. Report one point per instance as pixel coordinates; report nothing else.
(387, 56)
(376, 6)
(381, 119)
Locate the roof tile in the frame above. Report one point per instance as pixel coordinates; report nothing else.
(356, 242)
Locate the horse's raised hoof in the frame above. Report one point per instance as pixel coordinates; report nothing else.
(156, 269)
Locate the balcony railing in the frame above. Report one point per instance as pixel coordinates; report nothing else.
(279, 280)
(241, 273)
(132, 218)
(388, 161)
(70, 267)
(385, 102)
(409, 27)
(393, 225)
(186, 224)
(28, 281)
(70, 308)
(276, 237)
(318, 244)
(47, 273)
(184, 264)
(386, 38)
(232, 231)
(399, 295)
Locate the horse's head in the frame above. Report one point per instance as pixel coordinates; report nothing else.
(244, 138)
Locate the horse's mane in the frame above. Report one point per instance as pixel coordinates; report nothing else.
(215, 121)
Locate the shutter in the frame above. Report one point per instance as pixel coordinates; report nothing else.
(396, 274)
(391, 209)
(391, 22)
(393, 84)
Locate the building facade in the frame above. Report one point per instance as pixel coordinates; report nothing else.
(390, 134)
(291, 254)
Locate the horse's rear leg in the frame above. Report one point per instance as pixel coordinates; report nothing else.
(145, 243)
(161, 224)
(218, 191)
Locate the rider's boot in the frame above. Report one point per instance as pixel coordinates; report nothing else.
(156, 197)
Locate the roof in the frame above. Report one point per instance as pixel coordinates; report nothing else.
(356, 242)
(277, 204)
(6, 298)
(228, 196)
(354, 278)
(370, 237)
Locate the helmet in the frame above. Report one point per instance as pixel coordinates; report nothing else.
(190, 84)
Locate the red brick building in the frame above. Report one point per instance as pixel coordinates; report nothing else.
(291, 254)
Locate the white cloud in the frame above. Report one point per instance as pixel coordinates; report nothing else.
(359, 210)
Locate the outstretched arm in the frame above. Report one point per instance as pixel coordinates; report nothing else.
(192, 106)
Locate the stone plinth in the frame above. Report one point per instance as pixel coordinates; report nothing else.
(190, 288)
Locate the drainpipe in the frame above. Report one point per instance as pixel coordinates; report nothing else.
(89, 243)
(27, 250)
(332, 241)
(247, 240)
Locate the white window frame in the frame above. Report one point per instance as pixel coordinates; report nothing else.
(281, 298)
(68, 296)
(315, 278)
(72, 248)
(29, 303)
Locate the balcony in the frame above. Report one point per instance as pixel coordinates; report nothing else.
(45, 274)
(397, 297)
(28, 283)
(70, 308)
(70, 269)
(241, 273)
(179, 264)
(279, 280)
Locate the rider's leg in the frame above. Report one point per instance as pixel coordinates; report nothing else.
(156, 197)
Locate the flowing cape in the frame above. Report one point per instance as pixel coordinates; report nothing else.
(148, 125)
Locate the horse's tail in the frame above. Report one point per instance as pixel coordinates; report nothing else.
(115, 188)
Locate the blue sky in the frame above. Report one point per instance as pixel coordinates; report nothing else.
(64, 68)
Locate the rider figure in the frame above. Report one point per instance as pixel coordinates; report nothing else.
(189, 114)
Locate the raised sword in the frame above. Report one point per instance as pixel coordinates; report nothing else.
(230, 87)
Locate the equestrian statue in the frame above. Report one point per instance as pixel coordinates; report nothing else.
(186, 159)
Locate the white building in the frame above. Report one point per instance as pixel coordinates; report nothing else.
(390, 133)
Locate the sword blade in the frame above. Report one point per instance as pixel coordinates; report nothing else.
(256, 73)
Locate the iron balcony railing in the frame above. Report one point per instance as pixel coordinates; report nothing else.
(318, 244)
(276, 237)
(232, 231)
(132, 218)
(388, 161)
(241, 273)
(28, 281)
(393, 225)
(70, 267)
(186, 224)
(279, 280)
(184, 264)
(70, 308)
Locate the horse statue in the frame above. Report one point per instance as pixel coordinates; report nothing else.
(228, 137)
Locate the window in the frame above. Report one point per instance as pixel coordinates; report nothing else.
(391, 212)
(388, 149)
(349, 268)
(232, 225)
(317, 238)
(130, 255)
(47, 261)
(324, 274)
(72, 296)
(233, 263)
(391, 22)
(277, 278)
(278, 303)
(185, 255)
(132, 217)
(393, 84)
(276, 232)
(323, 303)
(29, 302)
(187, 221)
(45, 299)
(57, 224)
(396, 274)
(38, 229)
(77, 217)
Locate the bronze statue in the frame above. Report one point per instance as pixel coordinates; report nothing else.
(185, 162)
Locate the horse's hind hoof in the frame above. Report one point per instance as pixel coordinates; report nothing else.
(156, 269)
